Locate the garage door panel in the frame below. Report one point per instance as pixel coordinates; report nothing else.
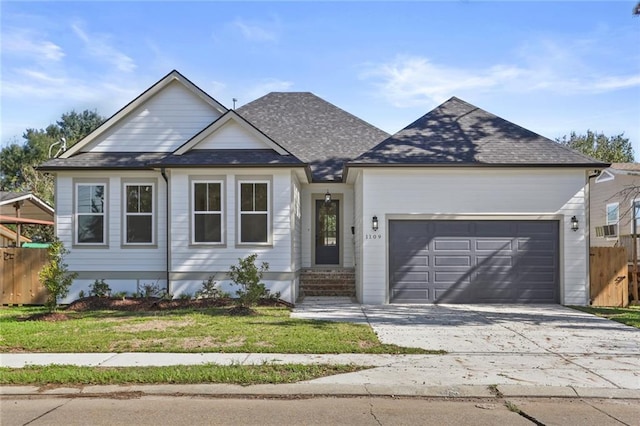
(474, 261)
(494, 245)
(451, 245)
(451, 260)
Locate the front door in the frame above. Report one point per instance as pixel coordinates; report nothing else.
(327, 232)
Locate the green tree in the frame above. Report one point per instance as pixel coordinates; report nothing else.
(18, 161)
(610, 149)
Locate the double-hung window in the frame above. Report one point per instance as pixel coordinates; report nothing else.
(207, 212)
(635, 224)
(139, 213)
(613, 216)
(254, 212)
(90, 224)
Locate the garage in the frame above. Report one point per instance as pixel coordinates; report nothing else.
(474, 261)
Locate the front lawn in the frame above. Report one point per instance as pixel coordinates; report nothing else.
(206, 330)
(629, 315)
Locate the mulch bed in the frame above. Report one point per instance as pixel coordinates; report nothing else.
(143, 304)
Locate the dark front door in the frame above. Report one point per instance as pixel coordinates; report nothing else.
(327, 232)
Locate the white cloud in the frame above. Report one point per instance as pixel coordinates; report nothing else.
(541, 66)
(28, 44)
(254, 31)
(99, 46)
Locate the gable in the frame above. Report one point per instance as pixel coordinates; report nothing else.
(161, 124)
(231, 135)
(604, 177)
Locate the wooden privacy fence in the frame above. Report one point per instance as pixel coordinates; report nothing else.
(609, 281)
(19, 268)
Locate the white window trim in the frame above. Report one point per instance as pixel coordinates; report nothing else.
(105, 209)
(633, 216)
(245, 180)
(192, 211)
(153, 214)
(605, 176)
(617, 221)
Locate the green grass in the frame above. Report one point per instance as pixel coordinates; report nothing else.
(629, 316)
(181, 374)
(210, 330)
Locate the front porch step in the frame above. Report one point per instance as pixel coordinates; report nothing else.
(340, 282)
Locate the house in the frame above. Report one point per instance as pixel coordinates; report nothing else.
(460, 206)
(22, 208)
(8, 237)
(615, 203)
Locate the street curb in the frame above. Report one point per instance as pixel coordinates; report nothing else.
(313, 390)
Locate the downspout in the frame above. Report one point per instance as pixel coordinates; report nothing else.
(168, 243)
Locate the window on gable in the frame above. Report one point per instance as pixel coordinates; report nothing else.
(90, 214)
(139, 217)
(613, 216)
(254, 212)
(207, 212)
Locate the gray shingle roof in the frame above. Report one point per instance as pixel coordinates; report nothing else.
(229, 157)
(458, 133)
(312, 129)
(105, 160)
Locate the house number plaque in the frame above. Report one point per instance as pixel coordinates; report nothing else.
(373, 236)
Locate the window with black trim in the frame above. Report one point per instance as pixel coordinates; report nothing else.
(254, 212)
(207, 212)
(139, 215)
(90, 213)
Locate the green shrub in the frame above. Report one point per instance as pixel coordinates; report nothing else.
(55, 275)
(248, 276)
(100, 288)
(209, 290)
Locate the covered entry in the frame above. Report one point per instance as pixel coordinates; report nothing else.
(474, 261)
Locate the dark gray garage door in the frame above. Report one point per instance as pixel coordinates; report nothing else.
(477, 261)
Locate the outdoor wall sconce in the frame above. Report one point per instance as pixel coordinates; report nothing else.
(327, 197)
(574, 223)
(374, 223)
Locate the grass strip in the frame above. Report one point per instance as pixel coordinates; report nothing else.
(629, 315)
(178, 374)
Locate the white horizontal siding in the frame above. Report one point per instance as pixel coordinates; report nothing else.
(161, 124)
(186, 258)
(231, 136)
(451, 193)
(113, 257)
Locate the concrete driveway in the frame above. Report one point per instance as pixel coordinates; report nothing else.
(543, 345)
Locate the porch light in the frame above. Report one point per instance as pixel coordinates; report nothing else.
(574, 223)
(327, 197)
(374, 223)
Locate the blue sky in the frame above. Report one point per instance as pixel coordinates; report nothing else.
(552, 67)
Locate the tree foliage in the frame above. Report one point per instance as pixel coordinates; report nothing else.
(609, 149)
(18, 161)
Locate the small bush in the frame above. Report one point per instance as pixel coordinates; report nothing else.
(248, 276)
(209, 290)
(100, 288)
(81, 295)
(120, 295)
(55, 275)
(152, 290)
(185, 296)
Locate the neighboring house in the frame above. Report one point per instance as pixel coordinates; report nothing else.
(615, 203)
(460, 206)
(22, 208)
(8, 237)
